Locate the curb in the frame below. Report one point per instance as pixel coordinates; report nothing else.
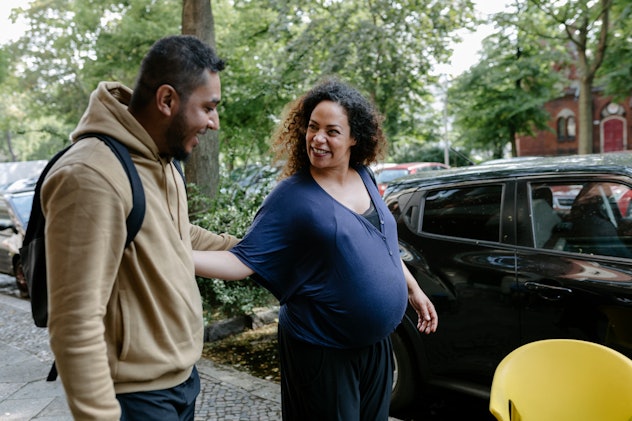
(234, 325)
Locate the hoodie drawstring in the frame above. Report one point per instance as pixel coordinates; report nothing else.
(173, 177)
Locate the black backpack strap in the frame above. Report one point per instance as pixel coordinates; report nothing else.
(52, 374)
(135, 218)
(178, 165)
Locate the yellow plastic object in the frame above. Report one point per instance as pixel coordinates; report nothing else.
(562, 380)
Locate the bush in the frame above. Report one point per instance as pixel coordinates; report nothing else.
(232, 211)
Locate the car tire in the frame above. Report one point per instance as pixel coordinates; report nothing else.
(404, 376)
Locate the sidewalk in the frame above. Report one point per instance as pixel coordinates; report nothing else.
(227, 394)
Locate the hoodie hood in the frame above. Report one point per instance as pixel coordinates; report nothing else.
(107, 113)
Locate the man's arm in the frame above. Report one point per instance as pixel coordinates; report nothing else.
(202, 239)
(220, 265)
(85, 239)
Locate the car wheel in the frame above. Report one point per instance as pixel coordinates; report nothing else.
(404, 376)
(20, 279)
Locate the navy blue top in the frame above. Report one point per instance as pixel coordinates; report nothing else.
(338, 278)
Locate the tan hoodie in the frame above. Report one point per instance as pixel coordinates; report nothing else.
(120, 319)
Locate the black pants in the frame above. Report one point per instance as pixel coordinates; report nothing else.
(177, 403)
(326, 384)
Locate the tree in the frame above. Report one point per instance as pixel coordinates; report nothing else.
(70, 46)
(615, 75)
(203, 166)
(504, 93)
(584, 26)
(387, 48)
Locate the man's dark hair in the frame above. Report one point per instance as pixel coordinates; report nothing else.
(180, 61)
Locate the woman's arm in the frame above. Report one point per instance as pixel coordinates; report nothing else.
(220, 265)
(427, 316)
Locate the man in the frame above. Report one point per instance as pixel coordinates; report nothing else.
(126, 323)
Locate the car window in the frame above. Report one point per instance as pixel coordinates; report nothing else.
(592, 217)
(471, 212)
(22, 204)
(431, 168)
(5, 218)
(386, 176)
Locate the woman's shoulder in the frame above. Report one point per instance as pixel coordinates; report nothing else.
(297, 181)
(290, 189)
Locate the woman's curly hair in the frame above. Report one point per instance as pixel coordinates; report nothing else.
(365, 122)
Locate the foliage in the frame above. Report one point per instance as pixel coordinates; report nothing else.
(385, 48)
(274, 49)
(231, 211)
(251, 98)
(616, 71)
(69, 46)
(427, 152)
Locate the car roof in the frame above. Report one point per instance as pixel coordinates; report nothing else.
(619, 163)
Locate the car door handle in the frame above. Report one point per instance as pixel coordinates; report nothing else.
(547, 290)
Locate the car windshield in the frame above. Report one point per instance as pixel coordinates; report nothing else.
(386, 176)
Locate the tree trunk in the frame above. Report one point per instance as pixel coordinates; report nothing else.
(587, 65)
(202, 168)
(512, 142)
(12, 157)
(585, 118)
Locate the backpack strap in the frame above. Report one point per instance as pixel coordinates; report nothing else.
(178, 165)
(135, 218)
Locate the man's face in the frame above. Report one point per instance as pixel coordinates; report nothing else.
(194, 117)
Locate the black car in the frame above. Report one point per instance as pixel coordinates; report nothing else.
(511, 253)
(15, 209)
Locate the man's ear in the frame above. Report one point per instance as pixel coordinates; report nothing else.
(167, 100)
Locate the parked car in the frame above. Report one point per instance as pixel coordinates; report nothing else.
(511, 254)
(390, 172)
(15, 210)
(254, 180)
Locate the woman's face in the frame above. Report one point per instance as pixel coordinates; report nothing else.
(328, 137)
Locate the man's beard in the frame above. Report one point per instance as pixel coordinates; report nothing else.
(176, 135)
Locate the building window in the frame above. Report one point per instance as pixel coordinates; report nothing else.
(566, 125)
(571, 127)
(561, 128)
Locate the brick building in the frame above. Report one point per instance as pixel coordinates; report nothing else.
(612, 124)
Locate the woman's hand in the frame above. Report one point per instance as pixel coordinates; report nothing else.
(427, 319)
